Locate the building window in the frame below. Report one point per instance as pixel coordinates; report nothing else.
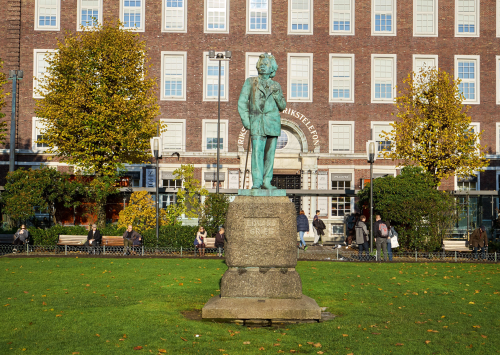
(300, 77)
(379, 136)
(341, 206)
(40, 69)
(216, 16)
(89, 13)
(172, 183)
(258, 16)
(300, 17)
(467, 70)
(383, 17)
(134, 178)
(342, 17)
(210, 135)
(282, 140)
(211, 79)
(424, 62)
(211, 180)
(468, 183)
(47, 15)
(251, 59)
(425, 18)
(173, 139)
(173, 67)
(341, 77)
(174, 16)
(168, 199)
(37, 134)
(132, 14)
(383, 78)
(466, 18)
(497, 64)
(341, 137)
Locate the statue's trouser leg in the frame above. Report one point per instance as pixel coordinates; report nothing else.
(258, 146)
(269, 159)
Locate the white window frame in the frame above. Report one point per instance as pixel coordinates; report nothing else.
(416, 57)
(143, 16)
(163, 18)
(477, 73)
(331, 124)
(224, 136)
(224, 80)
(476, 24)
(478, 184)
(352, 18)
(353, 207)
(163, 97)
(373, 124)
(36, 52)
(311, 20)
(435, 18)
(351, 88)
(206, 29)
(57, 27)
(497, 73)
(477, 129)
(497, 135)
(79, 15)
(34, 148)
(214, 170)
(269, 14)
(167, 121)
(393, 80)
(309, 56)
(497, 20)
(393, 31)
(248, 69)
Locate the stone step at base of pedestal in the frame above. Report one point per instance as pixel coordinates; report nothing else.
(261, 308)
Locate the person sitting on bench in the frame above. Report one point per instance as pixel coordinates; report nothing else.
(21, 237)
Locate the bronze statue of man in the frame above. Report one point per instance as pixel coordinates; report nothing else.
(261, 100)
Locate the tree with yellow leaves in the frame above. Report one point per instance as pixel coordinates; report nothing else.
(141, 213)
(99, 103)
(434, 130)
(3, 124)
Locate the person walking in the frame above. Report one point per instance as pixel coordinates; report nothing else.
(199, 241)
(128, 239)
(21, 237)
(93, 239)
(362, 238)
(318, 228)
(479, 239)
(302, 227)
(219, 241)
(381, 232)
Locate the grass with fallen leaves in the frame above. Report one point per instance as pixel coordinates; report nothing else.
(133, 306)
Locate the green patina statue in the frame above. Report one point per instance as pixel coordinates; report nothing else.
(261, 100)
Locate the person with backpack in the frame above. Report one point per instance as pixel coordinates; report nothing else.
(381, 233)
(318, 228)
(362, 238)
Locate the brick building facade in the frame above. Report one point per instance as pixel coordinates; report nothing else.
(339, 61)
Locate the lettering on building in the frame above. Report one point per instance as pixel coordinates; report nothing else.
(306, 122)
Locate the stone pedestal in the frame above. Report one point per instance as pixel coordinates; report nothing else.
(261, 253)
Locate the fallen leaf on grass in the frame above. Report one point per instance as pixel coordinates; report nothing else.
(432, 331)
(317, 345)
(121, 339)
(26, 292)
(124, 336)
(183, 339)
(476, 326)
(246, 342)
(276, 344)
(137, 347)
(97, 335)
(293, 351)
(222, 350)
(345, 335)
(58, 315)
(5, 305)
(162, 350)
(427, 341)
(484, 336)
(262, 348)
(376, 333)
(399, 344)
(320, 352)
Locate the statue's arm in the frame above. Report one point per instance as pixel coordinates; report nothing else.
(244, 104)
(278, 96)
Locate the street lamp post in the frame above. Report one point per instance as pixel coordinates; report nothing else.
(14, 75)
(156, 152)
(370, 151)
(220, 57)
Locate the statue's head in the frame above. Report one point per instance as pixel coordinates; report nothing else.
(266, 65)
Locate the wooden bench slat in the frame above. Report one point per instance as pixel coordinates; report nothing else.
(71, 239)
(112, 241)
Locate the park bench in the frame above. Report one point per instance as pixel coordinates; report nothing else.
(112, 241)
(455, 245)
(209, 243)
(73, 240)
(6, 238)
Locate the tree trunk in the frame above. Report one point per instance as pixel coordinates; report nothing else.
(101, 212)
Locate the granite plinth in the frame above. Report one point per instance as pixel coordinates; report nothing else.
(261, 282)
(261, 192)
(261, 232)
(257, 308)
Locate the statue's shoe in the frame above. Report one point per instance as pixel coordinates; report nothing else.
(269, 187)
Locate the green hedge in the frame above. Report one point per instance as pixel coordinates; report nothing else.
(169, 236)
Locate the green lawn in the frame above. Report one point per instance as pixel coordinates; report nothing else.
(99, 306)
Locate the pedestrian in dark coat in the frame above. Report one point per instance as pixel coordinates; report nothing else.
(302, 227)
(479, 239)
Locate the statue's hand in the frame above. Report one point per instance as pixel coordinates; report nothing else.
(275, 88)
